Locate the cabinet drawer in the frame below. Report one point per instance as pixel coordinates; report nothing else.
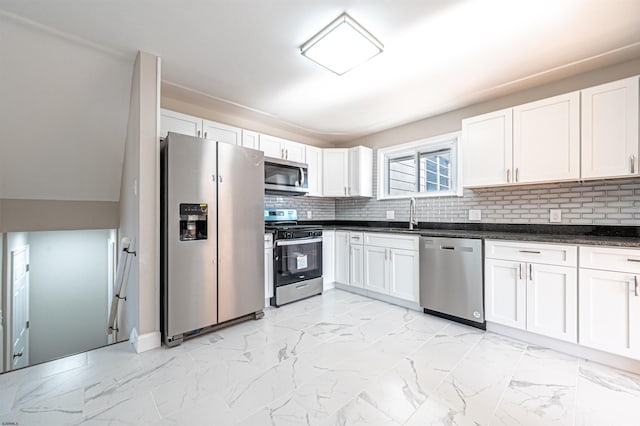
(394, 241)
(356, 238)
(610, 259)
(551, 254)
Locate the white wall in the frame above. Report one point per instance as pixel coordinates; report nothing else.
(68, 293)
(139, 201)
(14, 241)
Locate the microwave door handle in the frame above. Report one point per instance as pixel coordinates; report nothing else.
(301, 177)
(299, 241)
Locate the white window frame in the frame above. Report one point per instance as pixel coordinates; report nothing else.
(447, 141)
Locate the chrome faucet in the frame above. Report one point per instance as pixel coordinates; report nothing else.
(412, 213)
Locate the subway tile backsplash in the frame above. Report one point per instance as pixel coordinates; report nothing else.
(611, 202)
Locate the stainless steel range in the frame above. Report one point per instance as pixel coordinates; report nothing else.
(297, 256)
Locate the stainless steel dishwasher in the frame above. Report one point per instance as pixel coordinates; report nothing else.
(451, 279)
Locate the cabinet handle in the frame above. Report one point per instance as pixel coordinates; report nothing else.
(286, 153)
(530, 272)
(205, 135)
(520, 270)
(633, 163)
(345, 190)
(508, 175)
(198, 133)
(17, 355)
(530, 251)
(633, 260)
(517, 174)
(635, 279)
(349, 190)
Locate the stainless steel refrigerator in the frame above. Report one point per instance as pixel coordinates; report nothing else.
(212, 249)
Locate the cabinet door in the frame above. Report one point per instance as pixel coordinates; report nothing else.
(375, 269)
(609, 312)
(487, 143)
(335, 164)
(546, 139)
(328, 256)
(314, 161)
(403, 274)
(342, 257)
(250, 139)
(268, 273)
(171, 121)
(360, 172)
(552, 301)
(294, 151)
(610, 129)
(505, 292)
(271, 146)
(221, 132)
(356, 269)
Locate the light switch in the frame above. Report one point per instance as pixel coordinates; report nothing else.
(391, 214)
(475, 214)
(555, 215)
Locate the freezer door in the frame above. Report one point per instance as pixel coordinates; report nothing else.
(190, 296)
(241, 231)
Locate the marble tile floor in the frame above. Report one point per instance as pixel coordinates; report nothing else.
(335, 359)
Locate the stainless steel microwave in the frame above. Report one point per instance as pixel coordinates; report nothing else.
(285, 177)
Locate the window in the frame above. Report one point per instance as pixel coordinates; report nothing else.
(424, 168)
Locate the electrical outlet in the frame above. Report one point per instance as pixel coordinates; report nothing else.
(309, 214)
(391, 214)
(555, 215)
(475, 214)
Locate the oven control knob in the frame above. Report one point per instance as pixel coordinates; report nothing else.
(288, 235)
(317, 234)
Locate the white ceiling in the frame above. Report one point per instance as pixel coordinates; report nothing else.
(439, 54)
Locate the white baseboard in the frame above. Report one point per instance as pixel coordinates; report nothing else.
(327, 286)
(145, 342)
(573, 349)
(379, 296)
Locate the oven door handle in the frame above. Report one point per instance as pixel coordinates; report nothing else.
(298, 241)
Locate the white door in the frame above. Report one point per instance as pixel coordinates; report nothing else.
(487, 143)
(546, 139)
(403, 274)
(271, 146)
(356, 270)
(294, 151)
(610, 129)
(171, 121)
(505, 292)
(342, 257)
(20, 318)
(376, 269)
(609, 312)
(552, 301)
(314, 163)
(335, 165)
(250, 139)
(221, 132)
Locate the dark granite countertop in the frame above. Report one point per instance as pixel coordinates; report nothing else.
(618, 236)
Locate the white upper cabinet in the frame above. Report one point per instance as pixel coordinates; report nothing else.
(281, 148)
(347, 172)
(487, 143)
(221, 132)
(546, 140)
(360, 182)
(250, 139)
(314, 162)
(610, 129)
(335, 175)
(171, 121)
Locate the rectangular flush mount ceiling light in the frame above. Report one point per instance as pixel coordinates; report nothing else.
(342, 45)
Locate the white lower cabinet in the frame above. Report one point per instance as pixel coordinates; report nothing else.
(328, 257)
(341, 269)
(537, 297)
(356, 269)
(609, 300)
(391, 266)
(375, 269)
